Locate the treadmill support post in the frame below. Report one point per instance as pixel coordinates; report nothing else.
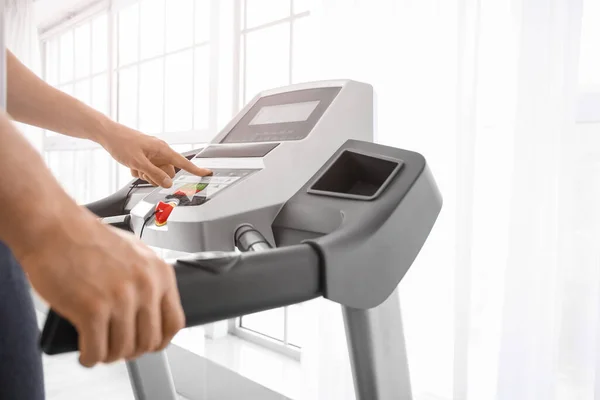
(378, 351)
(151, 378)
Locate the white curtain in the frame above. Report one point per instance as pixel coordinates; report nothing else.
(23, 41)
(502, 302)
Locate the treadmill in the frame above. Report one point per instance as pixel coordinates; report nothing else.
(313, 208)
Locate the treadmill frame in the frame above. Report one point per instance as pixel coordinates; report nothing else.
(378, 351)
(151, 378)
(375, 339)
(376, 347)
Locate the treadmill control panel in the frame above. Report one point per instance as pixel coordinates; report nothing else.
(192, 190)
(283, 116)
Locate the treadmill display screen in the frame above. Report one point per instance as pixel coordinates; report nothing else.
(191, 190)
(283, 116)
(295, 112)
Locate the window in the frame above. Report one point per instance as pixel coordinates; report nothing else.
(280, 329)
(153, 65)
(276, 38)
(72, 66)
(275, 51)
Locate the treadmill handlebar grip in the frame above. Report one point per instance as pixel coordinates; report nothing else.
(111, 205)
(256, 281)
(223, 286)
(122, 222)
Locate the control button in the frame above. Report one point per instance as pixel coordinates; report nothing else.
(162, 212)
(187, 190)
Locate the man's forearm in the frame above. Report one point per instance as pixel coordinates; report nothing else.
(33, 203)
(32, 101)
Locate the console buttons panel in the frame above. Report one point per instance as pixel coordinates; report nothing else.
(192, 190)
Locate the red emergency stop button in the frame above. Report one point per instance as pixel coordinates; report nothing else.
(162, 212)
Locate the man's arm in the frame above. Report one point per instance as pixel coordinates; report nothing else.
(32, 198)
(120, 296)
(34, 102)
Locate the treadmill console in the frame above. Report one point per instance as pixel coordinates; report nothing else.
(192, 190)
(259, 160)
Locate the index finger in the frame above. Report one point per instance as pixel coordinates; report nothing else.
(179, 161)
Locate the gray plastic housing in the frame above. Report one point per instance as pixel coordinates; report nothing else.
(366, 245)
(257, 199)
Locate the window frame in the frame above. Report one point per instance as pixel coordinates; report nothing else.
(263, 340)
(60, 143)
(112, 8)
(71, 22)
(241, 33)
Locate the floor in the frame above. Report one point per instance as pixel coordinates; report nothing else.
(67, 380)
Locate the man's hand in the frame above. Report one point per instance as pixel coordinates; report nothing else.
(120, 296)
(149, 158)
